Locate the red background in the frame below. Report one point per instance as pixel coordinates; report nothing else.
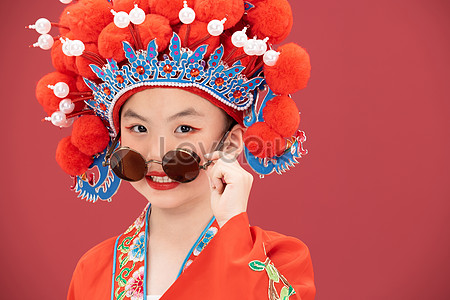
(371, 199)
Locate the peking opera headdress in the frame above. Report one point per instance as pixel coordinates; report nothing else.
(222, 50)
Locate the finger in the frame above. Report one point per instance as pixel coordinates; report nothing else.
(231, 173)
(226, 173)
(218, 185)
(215, 175)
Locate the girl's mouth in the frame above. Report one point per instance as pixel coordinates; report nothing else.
(160, 181)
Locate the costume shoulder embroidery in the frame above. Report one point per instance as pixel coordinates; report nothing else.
(129, 275)
(274, 277)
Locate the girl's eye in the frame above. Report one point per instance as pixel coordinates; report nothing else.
(184, 129)
(138, 128)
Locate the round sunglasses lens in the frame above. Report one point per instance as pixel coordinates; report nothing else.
(181, 165)
(128, 165)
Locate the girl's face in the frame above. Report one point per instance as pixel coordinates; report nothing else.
(157, 120)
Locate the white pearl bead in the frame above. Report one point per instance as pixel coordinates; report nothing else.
(66, 47)
(76, 47)
(261, 47)
(137, 15)
(215, 27)
(186, 15)
(45, 41)
(58, 118)
(66, 106)
(61, 90)
(68, 122)
(271, 57)
(65, 1)
(43, 26)
(251, 47)
(239, 38)
(121, 19)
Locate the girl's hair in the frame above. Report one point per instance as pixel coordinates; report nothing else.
(229, 122)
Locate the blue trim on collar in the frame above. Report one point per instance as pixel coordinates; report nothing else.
(146, 251)
(195, 245)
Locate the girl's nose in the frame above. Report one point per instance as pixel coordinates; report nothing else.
(156, 148)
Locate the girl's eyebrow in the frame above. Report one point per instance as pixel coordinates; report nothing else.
(187, 112)
(132, 114)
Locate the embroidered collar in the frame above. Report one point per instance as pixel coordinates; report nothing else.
(129, 275)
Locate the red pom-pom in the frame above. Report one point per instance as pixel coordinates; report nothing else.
(207, 10)
(83, 64)
(45, 95)
(64, 21)
(128, 5)
(59, 59)
(70, 159)
(291, 72)
(198, 31)
(263, 142)
(168, 8)
(281, 114)
(110, 41)
(81, 85)
(87, 19)
(90, 135)
(272, 19)
(62, 62)
(155, 26)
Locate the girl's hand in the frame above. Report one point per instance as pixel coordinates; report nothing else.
(230, 186)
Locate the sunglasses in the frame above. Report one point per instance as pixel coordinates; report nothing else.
(181, 165)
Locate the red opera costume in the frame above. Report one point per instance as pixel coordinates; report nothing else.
(219, 269)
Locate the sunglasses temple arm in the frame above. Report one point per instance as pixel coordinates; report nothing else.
(110, 150)
(218, 148)
(206, 165)
(222, 141)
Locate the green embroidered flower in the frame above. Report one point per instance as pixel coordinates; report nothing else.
(286, 292)
(257, 265)
(274, 277)
(272, 272)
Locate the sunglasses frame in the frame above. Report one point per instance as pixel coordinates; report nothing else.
(195, 156)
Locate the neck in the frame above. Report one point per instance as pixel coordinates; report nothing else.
(172, 224)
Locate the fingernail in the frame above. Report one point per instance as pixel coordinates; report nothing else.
(208, 155)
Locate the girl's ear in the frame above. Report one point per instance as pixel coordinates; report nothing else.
(234, 143)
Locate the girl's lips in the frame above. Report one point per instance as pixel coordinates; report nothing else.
(156, 173)
(160, 185)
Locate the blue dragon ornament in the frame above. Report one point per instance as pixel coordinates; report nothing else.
(104, 187)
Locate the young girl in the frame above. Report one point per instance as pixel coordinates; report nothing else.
(161, 115)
